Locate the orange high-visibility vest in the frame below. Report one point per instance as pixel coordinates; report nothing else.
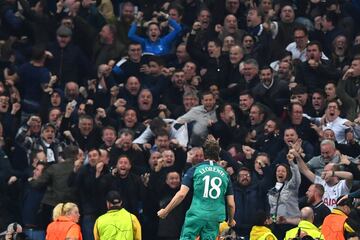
(333, 227)
(59, 229)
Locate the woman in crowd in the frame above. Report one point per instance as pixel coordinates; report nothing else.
(283, 197)
(65, 216)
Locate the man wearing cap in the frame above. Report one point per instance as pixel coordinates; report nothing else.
(117, 223)
(68, 63)
(47, 141)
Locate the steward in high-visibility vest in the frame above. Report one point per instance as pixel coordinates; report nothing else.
(305, 226)
(337, 224)
(117, 223)
(260, 231)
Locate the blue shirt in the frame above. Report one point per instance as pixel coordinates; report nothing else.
(160, 47)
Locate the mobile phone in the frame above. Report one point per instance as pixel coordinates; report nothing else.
(73, 103)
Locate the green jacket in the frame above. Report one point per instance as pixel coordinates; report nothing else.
(55, 179)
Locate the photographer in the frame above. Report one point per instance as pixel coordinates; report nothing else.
(154, 43)
(13, 232)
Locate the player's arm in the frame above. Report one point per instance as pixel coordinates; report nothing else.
(230, 210)
(175, 201)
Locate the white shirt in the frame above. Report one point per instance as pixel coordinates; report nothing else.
(332, 193)
(338, 127)
(297, 54)
(49, 153)
(177, 131)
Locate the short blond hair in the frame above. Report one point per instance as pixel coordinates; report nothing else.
(63, 209)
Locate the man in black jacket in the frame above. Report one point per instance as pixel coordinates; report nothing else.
(315, 72)
(128, 184)
(249, 197)
(68, 62)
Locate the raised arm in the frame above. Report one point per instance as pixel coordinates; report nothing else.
(302, 166)
(347, 176)
(295, 180)
(133, 36)
(173, 34)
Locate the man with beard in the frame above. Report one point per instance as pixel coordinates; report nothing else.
(226, 129)
(107, 46)
(123, 25)
(285, 73)
(173, 95)
(125, 182)
(249, 197)
(270, 141)
(348, 89)
(271, 91)
(314, 196)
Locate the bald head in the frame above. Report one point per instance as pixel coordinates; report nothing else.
(307, 214)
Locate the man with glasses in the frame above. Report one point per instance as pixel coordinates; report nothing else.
(131, 65)
(249, 197)
(298, 47)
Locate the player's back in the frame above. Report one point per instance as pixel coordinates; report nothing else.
(210, 183)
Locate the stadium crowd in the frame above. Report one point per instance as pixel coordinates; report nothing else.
(98, 96)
